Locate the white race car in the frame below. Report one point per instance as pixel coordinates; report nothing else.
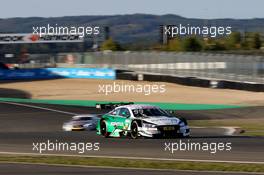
(141, 120)
(81, 122)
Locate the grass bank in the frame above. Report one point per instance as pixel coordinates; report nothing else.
(131, 163)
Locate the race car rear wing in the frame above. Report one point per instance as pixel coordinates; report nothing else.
(111, 105)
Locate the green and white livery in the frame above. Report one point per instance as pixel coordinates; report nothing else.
(141, 120)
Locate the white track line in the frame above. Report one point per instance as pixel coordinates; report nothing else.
(37, 107)
(131, 168)
(136, 158)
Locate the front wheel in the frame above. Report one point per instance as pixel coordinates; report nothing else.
(134, 130)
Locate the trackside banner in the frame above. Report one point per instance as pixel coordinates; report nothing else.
(49, 73)
(17, 38)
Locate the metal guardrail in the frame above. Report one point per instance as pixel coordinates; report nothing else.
(242, 68)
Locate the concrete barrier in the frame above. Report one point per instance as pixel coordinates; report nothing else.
(243, 86)
(191, 81)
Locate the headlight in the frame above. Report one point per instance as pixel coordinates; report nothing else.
(87, 124)
(182, 123)
(149, 125)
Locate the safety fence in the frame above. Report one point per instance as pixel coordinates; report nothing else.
(240, 68)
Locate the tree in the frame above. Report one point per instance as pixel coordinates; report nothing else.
(192, 44)
(234, 40)
(256, 42)
(174, 45)
(215, 46)
(110, 45)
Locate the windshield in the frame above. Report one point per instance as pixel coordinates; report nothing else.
(154, 112)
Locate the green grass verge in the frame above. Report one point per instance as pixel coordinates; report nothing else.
(91, 103)
(131, 163)
(252, 127)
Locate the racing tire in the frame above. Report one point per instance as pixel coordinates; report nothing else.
(134, 130)
(103, 129)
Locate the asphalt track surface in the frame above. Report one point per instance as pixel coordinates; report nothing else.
(32, 169)
(21, 126)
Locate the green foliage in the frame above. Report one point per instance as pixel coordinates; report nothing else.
(233, 41)
(175, 45)
(133, 163)
(256, 42)
(214, 44)
(110, 44)
(192, 44)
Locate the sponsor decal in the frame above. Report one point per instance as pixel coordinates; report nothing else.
(116, 124)
(36, 38)
(98, 73)
(172, 121)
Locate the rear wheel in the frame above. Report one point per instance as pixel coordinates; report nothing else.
(134, 130)
(103, 129)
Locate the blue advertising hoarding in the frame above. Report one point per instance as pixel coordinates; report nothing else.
(49, 73)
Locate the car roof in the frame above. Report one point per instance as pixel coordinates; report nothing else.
(138, 106)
